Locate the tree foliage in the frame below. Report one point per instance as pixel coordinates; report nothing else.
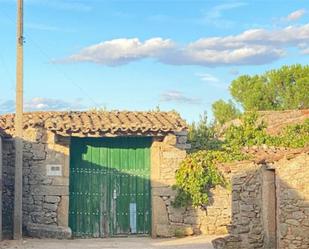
(224, 111)
(250, 132)
(284, 88)
(202, 135)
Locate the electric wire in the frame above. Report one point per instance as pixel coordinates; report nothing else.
(60, 71)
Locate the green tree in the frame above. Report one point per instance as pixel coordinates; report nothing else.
(224, 111)
(284, 88)
(202, 135)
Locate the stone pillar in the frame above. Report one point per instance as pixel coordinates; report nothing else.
(155, 176)
(59, 153)
(166, 155)
(269, 207)
(46, 184)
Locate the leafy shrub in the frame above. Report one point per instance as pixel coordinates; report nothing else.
(198, 173)
(202, 136)
(249, 133)
(293, 136)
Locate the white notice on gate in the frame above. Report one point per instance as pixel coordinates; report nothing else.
(133, 218)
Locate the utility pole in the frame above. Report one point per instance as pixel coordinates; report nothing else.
(19, 126)
(1, 166)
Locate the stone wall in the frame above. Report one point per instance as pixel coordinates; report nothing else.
(8, 154)
(46, 198)
(169, 221)
(270, 205)
(293, 202)
(246, 225)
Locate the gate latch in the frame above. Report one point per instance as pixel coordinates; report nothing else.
(115, 194)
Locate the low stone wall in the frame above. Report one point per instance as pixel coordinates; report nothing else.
(170, 221)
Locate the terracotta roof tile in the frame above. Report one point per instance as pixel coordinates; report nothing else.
(275, 120)
(260, 156)
(99, 123)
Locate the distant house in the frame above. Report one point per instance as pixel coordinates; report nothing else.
(275, 120)
(94, 174)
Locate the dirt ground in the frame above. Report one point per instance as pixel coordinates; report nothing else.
(196, 242)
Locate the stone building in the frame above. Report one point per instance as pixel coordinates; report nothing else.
(100, 174)
(276, 120)
(270, 193)
(270, 200)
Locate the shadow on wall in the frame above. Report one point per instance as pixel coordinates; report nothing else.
(270, 206)
(99, 198)
(8, 154)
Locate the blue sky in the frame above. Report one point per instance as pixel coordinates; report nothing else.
(137, 55)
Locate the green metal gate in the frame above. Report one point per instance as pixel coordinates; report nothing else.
(110, 186)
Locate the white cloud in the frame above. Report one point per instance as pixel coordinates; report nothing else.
(234, 71)
(215, 15)
(305, 51)
(178, 97)
(211, 80)
(42, 104)
(295, 15)
(246, 55)
(252, 47)
(38, 104)
(291, 35)
(7, 106)
(208, 77)
(122, 51)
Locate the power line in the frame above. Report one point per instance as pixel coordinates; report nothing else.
(67, 77)
(60, 71)
(8, 72)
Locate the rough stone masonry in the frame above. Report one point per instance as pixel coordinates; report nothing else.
(183, 221)
(270, 204)
(46, 198)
